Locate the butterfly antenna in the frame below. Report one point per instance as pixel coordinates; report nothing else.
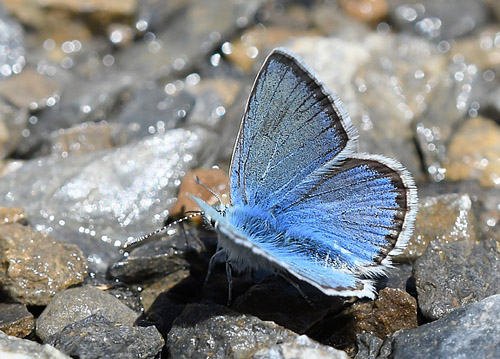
(139, 241)
(198, 181)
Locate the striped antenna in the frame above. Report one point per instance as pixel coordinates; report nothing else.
(139, 241)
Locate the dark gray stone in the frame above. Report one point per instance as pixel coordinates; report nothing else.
(215, 331)
(97, 337)
(470, 332)
(78, 303)
(12, 347)
(368, 346)
(155, 259)
(450, 275)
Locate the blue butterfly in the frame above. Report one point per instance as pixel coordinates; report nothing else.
(304, 202)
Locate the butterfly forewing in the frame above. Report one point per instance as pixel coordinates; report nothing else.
(292, 126)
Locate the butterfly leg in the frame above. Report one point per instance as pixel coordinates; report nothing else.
(297, 287)
(218, 253)
(229, 271)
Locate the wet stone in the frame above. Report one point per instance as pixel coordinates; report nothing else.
(87, 137)
(16, 320)
(451, 98)
(474, 153)
(34, 267)
(27, 88)
(153, 259)
(368, 346)
(469, 332)
(450, 275)
(97, 337)
(11, 215)
(12, 52)
(76, 304)
(371, 11)
(444, 218)
(13, 121)
(204, 330)
(438, 20)
(149, 110)
(189, 37)
(89, 101)
(393, 310)
(97, 200)
(13, 347)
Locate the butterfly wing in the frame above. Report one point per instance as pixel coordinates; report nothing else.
(292, 125)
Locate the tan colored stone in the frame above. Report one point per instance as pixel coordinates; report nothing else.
(34, 267)
(245, 49)
(84, 138)
(444, 219)
(371, 11)
(28, 87)
(11, 215)
(214, 179)
(474, 153)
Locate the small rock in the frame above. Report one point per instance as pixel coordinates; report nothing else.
(474, 153)
(12, 52)
(215, 179)
(13, 121)
(437, 20)
(368, 346)
(78, 303)
(300, 348)
(469, 332)
(371, 11)
(209, 330)
(450, 275)
(15, 320)
(28, 87)
(155, 259)
(151, 291)
(12, 347)
(443, 218)
(34, 267)
(97, 337)
(11, 215)
(87, 137)
(393, 310)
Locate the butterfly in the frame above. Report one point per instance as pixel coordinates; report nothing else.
(304, 202)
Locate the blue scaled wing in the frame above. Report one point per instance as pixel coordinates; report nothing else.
(292, 125)
(303, 201)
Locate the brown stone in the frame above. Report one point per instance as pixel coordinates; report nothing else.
(474, 153)
(84, 138)
(34, 267)
(444, 219)
(11, 215)
(371, 11)
(28, 87)
(16, 320)
(215, 179)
